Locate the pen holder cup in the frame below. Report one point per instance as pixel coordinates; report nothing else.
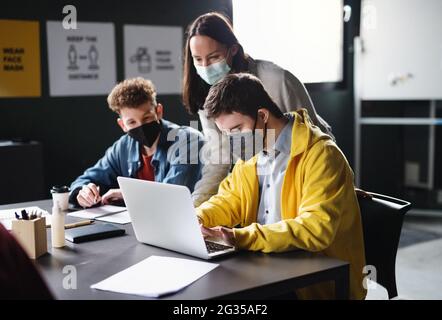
(31, 234)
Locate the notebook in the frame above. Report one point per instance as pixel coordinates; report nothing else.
(120, 218)
(92, 213)
(93, 232)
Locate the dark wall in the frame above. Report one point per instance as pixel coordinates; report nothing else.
(75, 131)
(337, 105)
(386, 149)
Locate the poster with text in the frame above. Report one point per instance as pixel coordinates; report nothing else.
(154, 53)
(20, 59)
(81, 61)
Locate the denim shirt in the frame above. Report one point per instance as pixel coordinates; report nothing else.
(172, 162)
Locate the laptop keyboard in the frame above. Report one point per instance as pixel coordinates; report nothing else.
(215, 247)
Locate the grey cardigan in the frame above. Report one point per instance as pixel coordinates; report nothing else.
(288, 93)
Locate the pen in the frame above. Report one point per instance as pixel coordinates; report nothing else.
(76, 224)
(32, 216)
(97, 198)
(24, 215)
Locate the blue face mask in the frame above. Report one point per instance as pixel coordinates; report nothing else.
(214, 72)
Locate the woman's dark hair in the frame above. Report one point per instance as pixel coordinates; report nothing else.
(239, 92)
(218, 27)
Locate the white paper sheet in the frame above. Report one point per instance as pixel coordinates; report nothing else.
(120, 218)
(93, 213)
(6, 216)
(156, 276)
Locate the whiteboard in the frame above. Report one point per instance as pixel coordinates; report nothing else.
(401, 50)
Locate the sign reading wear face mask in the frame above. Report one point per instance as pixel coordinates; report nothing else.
(19, 59)
(81, 61)
(154, 53)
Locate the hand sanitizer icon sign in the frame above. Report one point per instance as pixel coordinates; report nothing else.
(143, 60)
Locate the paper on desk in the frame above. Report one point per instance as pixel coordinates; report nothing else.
(6, 216)
(121, 218)
(156, 276)
(93, 213)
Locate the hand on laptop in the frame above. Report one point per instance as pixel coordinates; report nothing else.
(111, 196)
(89, 195)
(219, 232)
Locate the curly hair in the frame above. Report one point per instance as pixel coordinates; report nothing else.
(131, 93)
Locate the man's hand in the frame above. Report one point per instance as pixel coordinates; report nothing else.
(89, 195)
(219, 232)
(111, 195)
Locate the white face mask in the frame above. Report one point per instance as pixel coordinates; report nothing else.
(214, 72)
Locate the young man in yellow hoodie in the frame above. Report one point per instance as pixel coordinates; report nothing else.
(297, 192)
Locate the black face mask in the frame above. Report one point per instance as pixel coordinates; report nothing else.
(146, 134)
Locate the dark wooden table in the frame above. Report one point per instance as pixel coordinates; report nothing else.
(248, 275)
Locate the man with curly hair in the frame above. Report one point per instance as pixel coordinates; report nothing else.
(151, 148)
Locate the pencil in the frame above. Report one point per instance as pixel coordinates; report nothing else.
(76, 224)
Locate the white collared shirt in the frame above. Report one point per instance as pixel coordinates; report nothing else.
(271, 176)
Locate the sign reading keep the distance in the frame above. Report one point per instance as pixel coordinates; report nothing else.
(81, 61)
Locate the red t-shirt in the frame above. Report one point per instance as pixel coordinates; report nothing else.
(146, 171)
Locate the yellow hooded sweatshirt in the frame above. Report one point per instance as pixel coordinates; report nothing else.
(319, 207)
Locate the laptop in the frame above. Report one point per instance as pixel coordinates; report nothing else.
(163, 215)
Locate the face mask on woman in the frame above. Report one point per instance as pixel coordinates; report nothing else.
(214, 72)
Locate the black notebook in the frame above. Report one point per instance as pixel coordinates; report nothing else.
(93, 232)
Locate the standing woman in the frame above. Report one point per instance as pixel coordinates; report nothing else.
(212, 51)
